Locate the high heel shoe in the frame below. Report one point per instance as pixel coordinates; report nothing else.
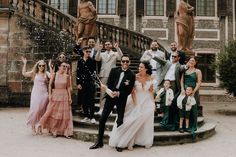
(39, 130)
(34, 131)
(68, 137)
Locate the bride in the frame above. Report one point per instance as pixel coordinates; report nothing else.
(138, 126)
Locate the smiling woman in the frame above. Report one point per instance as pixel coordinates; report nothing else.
(39, 94)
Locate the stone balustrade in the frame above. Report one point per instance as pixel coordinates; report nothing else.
(60, 21)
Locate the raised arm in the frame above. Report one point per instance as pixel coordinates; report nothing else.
(92, 8)
(119, 52)
(24, 72)
(159, 60)
(99, 49)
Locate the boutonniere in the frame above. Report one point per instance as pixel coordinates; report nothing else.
(126, 82)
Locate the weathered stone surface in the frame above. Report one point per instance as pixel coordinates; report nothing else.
(15, 86)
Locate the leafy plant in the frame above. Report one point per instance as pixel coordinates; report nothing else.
(226, 65)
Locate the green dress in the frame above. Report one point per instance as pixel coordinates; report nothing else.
(191, 80)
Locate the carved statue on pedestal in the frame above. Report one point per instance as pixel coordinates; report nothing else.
(185, 27)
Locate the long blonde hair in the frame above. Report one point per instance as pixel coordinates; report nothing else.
(35, 69)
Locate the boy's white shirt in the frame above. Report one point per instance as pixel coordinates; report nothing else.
(169, 95)
(190, 102)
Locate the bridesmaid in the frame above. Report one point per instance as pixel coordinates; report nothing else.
(58, 117)
(39, 94)
(192, 77)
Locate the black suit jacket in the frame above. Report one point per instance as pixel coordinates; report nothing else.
(127, 83)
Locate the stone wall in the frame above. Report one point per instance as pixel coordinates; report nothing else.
(22, 37)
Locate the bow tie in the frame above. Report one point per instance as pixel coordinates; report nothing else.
(123, 70)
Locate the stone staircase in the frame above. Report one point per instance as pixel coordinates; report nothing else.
(87, 131)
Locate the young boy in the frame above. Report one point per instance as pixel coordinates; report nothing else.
(185, 103)
(165, 96)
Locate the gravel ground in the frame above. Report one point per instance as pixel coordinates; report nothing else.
(16, 139)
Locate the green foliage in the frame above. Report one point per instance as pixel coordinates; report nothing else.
(47, 39)
(226, 65)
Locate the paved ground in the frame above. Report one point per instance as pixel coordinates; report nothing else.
(16, 139)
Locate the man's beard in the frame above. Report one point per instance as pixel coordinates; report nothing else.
(154, 49)
(173, 49)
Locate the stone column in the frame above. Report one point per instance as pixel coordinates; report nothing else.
(4, 31)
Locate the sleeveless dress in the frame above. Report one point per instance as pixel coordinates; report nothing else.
(38, 100)
(138, 125)
(191, 80)
(58, 116)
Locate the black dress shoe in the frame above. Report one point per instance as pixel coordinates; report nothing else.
(96, 146)
(118, 149)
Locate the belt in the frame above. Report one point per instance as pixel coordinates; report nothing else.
(154, 69)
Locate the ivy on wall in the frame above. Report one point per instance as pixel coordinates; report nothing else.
(48, 40)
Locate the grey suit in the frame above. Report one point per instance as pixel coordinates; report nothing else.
(166, 64)
(172, 119)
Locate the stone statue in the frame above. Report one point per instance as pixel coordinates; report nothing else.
(87, 16)
(185, 26)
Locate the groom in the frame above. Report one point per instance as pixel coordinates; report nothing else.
(120, 81)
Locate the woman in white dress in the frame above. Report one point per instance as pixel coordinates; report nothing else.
(138, 126)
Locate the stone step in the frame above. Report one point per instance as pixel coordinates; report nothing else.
(215, 95)
(160, 137)
(77, 123)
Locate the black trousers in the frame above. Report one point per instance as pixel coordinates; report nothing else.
(86, 98)
(108, 107)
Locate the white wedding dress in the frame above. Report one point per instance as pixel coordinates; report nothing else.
(138, 125)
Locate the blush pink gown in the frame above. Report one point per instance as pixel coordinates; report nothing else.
(58, 116)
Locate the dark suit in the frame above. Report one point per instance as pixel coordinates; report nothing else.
(85, 69)
(125, 88)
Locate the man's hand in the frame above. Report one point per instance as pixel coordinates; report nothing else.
(79, 86)
(115, 94)
(116, 45)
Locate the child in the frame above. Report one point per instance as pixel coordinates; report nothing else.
(185, 103)
(165, 96)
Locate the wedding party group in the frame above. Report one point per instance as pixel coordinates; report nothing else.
(165, 85)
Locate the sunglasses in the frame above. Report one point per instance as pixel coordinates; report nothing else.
(88, 51)
(62, 57)
(125, 61)
(174, 56)
(41, 65)
(64, 66)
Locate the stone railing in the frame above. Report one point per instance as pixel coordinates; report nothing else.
(129, 39)
(46, 14)
(134, 41)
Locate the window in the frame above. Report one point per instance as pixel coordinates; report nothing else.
(205, 64)
(4, 4)
(155, 7)
(60, 4)
(107, 7)
(205, 7)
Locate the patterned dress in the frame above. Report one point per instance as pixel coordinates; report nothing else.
(58, 117)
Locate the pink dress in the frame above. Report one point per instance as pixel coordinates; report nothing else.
(58, 116)
(39, 100)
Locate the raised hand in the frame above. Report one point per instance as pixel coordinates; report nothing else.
(24, 60)
(99, 47)
(116, 45)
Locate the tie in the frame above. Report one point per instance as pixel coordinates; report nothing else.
(122, 74)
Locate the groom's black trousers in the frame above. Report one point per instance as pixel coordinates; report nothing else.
(120, 103)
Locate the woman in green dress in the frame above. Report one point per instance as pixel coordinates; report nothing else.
(192, 77)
